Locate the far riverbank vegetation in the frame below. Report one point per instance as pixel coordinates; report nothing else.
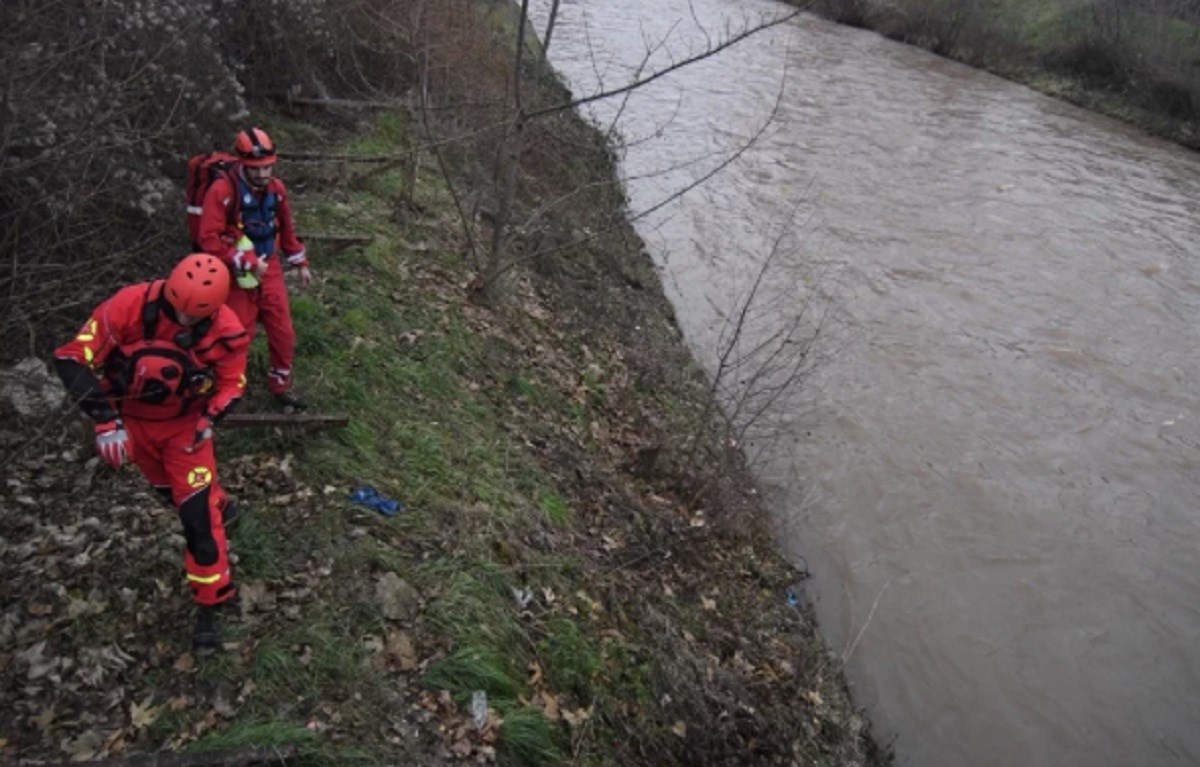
(1137, 60)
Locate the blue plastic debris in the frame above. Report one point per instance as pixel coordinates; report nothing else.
(792, 599)
(370, 497)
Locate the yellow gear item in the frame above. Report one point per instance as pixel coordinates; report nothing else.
(246, 278)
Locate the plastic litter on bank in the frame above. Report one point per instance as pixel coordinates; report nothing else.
(370, 497)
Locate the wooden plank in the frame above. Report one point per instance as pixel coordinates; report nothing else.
(337, 242)
(305, 420)
(346, 158)
(337, 237)
(248, 756)
(346, 103)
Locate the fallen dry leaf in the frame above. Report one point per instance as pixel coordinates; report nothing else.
(222, 707)
(255, 597)
(84, 746)
(462, 747)
(550, 707)
(400, 651)
(577, 717)
(247, 690)
(535, 674)
(142, 715)
(44, 720)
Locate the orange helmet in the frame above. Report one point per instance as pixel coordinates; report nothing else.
(254, 147)
(198, 285)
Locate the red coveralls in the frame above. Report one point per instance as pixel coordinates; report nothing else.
(219, 229)
(161, 388)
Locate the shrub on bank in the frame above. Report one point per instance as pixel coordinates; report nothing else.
(104, 101)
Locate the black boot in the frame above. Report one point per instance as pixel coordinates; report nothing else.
(207, 636)
(289, 402)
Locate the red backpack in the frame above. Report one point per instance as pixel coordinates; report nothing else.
(203, 170)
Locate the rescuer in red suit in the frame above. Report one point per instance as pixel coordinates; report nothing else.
(246, 221)
(155, 367)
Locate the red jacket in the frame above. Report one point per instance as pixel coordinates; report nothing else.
(220, 223)
(151, 367)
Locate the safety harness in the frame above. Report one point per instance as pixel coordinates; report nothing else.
(258, 217)
(153, 371)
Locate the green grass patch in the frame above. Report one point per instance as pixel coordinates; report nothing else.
(274, 664)
(476, 667)
(415, 424)
(570, 658)
(169, 722)
(426, 427)
(629, 672)
(218, 668)
(476, 609)
(555, 508)
(254, 733)
(521, 386)
(255, 541)
(318, 662)
(389, 133)
(528, 738)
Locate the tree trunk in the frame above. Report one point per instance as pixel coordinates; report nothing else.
(506, 176)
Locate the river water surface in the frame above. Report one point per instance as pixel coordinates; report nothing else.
(994, 471)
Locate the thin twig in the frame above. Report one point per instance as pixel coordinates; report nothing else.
(730, 42)
(850, 650)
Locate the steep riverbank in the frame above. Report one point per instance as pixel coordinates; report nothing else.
(580, 552)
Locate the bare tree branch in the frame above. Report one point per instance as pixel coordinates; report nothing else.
(641, 82)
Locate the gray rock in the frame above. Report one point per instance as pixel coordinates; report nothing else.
(398, 600)
(31, 388)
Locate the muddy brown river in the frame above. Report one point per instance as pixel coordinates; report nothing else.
(992, 465)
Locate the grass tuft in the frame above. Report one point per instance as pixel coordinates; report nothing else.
(476, 667)
(254, 733)
(555, 508)
(570, 658)
(528, 738)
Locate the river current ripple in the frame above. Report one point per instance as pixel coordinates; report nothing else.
(993, 470)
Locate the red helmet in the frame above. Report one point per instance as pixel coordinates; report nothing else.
(254, 147)
(198, 285)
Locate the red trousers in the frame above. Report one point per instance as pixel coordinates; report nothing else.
(268, 303)
(160, 450)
